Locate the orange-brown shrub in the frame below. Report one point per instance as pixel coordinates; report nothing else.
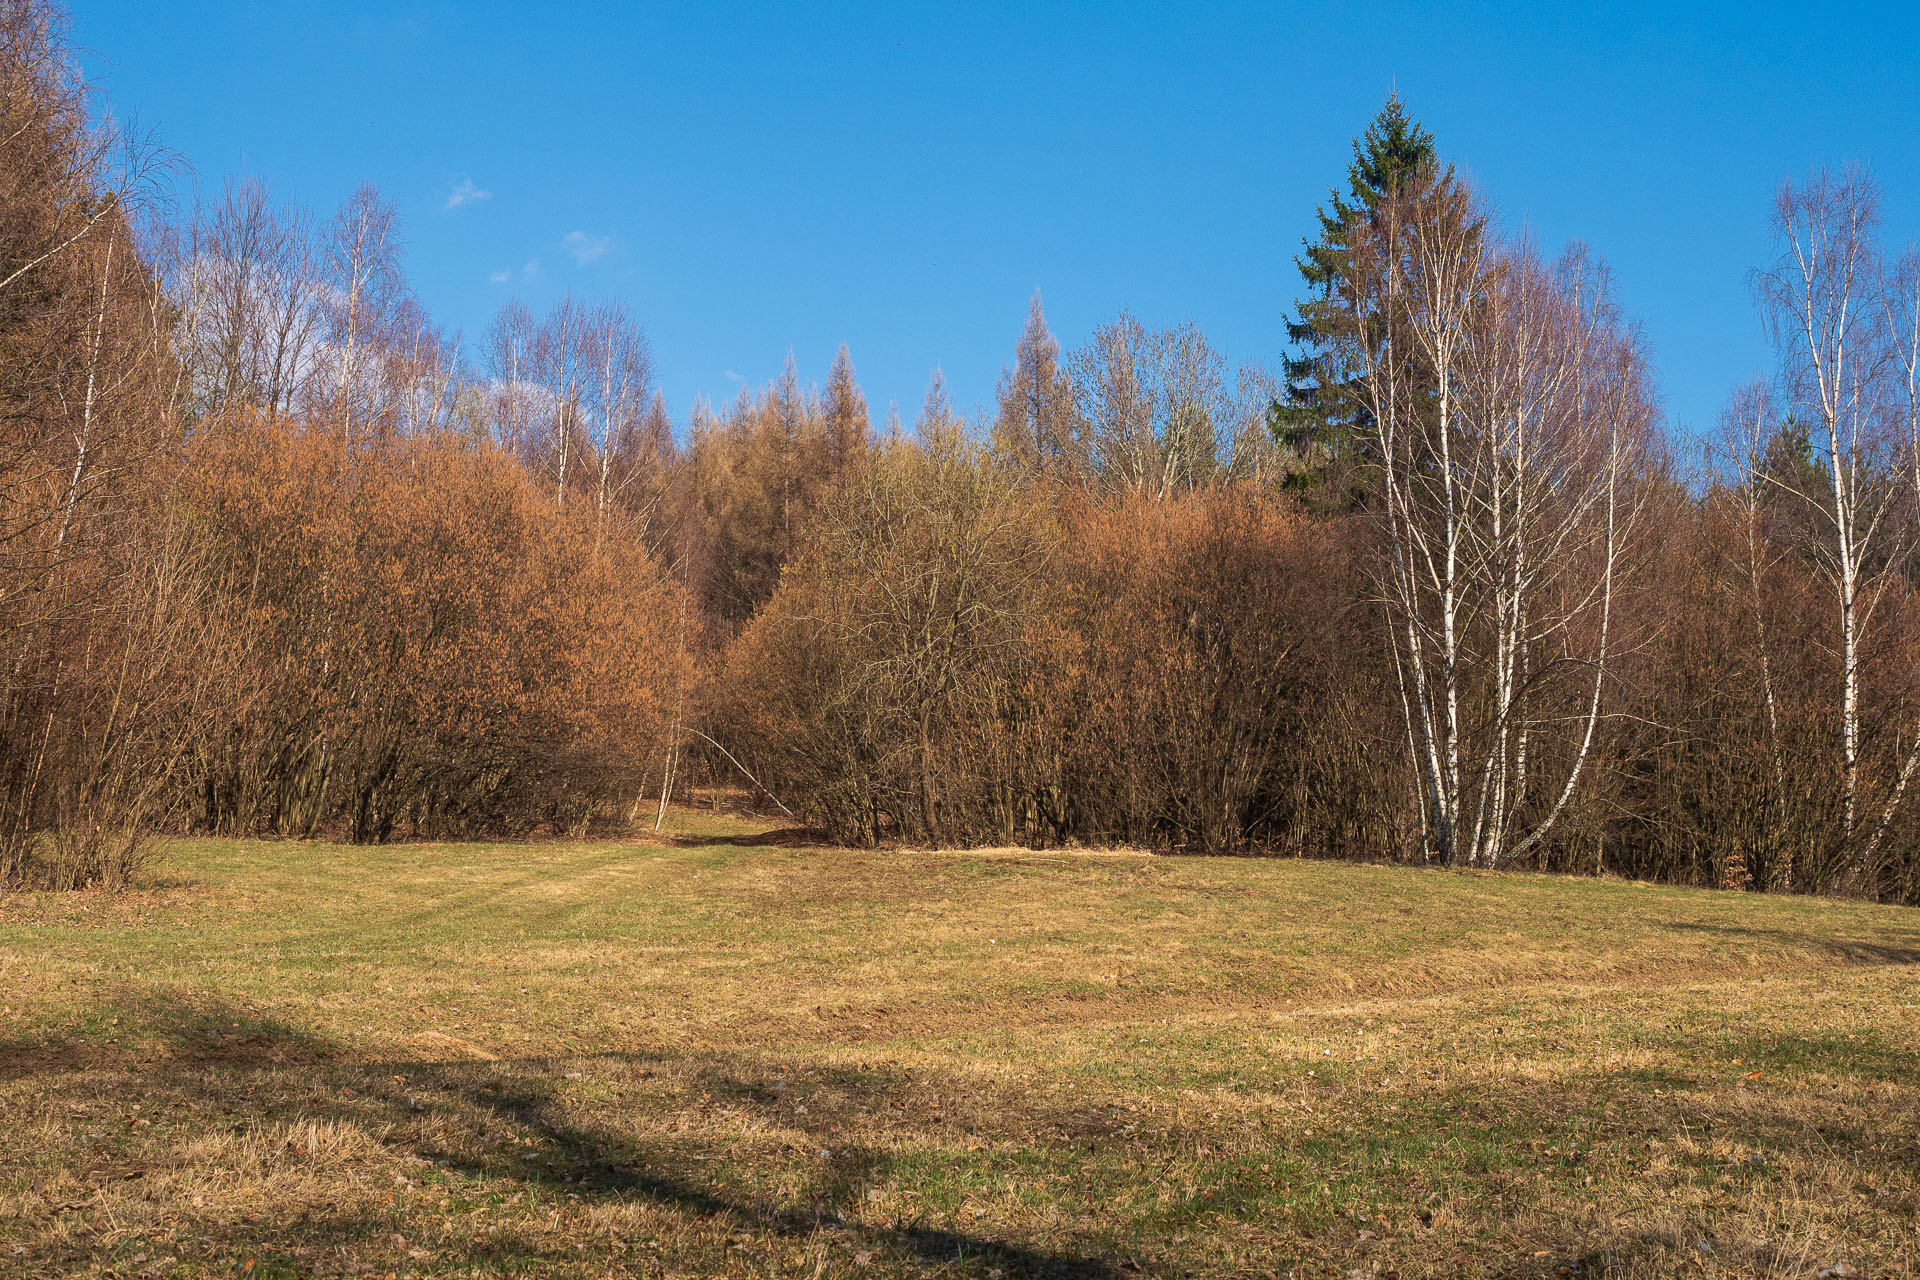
(964, 655)
(1223, 687)
(886, 682)
(417, 638)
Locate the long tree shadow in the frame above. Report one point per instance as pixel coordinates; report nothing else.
(556, 1134)
(1850, 949)
(608, 1164)
(174, 1032)
(222, 1069)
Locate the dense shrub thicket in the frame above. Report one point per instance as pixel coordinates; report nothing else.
(410, 635)
(966, 655)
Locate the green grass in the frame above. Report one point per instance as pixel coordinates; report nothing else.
(701, 1056)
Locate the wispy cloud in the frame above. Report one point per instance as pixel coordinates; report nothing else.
(586, 248)
(464, 192)
(529, 272)
(734, 376)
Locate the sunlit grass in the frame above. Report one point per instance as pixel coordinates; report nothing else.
(701, 1056)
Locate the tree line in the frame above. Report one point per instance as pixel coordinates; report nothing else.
(280, 556)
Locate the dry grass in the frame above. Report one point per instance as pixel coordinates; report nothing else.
(706, 1056)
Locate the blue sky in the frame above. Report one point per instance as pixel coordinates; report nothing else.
(754, 178)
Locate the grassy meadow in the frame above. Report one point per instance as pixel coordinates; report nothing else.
(722, 1053)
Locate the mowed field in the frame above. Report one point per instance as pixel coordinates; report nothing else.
(721, 1054)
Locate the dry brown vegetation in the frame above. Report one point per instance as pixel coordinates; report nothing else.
(968, 656)
(709, 1055)
(412, 635)
(278, 557)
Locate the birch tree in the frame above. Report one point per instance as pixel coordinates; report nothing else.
(1900, 309)
(561, 360)
(1747, 427)
(510, 365)
(1507, 409)
(616, 389)
(421, 370)
(1900, 304)
(1819, 303)
(362, 261)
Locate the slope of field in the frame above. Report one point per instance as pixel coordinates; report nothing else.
(717, 1054)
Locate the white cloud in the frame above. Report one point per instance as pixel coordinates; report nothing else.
(586, 248)
(529, 272)
(466, 193)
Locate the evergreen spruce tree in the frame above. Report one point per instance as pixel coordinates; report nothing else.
(1792, 477)
(1320, 416)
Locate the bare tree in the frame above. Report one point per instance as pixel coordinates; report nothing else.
(848, 432)
(69, 175)
(1819, 305)
(1158, 413)
(617, 392)
(1900, 302)
(1508, 409)
(421, 370)
(1112, 394)
(362, 270)
(561, 359)
(81, 419)
(1251, 451)
(1036, 425)
(1747, 427)
(936, 407)
(510, 363)
(249, 296)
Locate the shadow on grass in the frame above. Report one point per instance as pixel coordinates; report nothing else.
(159, 1033)
(1840, 948)
(523, 1094)
(521, 1133)
(217, 1068)
(779, 838)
